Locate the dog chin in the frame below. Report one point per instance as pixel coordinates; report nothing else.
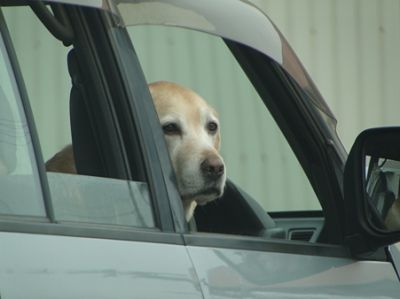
(204, 196)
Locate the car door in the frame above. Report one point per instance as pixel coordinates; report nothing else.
(105, 231)
(305, 262)
(138, 244)
(289, 265)
(278, 230)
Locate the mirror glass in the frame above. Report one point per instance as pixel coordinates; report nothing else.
(382, 176)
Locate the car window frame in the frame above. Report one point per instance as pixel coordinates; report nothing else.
(281, 84)
(272, 82)
(115, 37)
(136, 112)
(324, 178)
(320, 160)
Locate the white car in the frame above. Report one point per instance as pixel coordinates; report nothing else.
(310, 222)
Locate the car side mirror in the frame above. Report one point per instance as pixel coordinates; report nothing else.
(372, 190)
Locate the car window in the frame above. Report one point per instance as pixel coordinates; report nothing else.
(258, 157)
(19, 184)
(83, 197)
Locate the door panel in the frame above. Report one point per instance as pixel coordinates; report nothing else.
(39, 266)
(230, 273)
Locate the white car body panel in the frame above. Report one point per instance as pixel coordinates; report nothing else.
(230, 273)
(55, 266)
(74, 267)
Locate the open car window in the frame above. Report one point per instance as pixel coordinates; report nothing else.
(257, 156)
(265, 177)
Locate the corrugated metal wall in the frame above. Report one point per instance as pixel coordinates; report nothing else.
(349, 47)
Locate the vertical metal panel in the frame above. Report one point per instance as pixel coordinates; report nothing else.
(350, 49)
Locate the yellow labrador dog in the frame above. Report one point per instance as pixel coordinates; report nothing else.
(192, 134)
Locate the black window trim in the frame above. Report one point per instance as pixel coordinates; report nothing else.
(259, 244)
(29, 225)
(299, 125)
(138, 103)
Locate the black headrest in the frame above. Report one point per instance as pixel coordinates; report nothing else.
(87, 157)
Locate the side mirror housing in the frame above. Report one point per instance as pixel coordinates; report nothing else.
(372, 190)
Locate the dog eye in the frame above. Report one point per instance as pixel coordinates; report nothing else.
(171, 129)
(212, 127)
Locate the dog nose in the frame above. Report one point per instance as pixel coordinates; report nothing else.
(212, 167)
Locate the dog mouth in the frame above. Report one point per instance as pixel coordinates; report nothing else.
(204, 195)
(201, 190)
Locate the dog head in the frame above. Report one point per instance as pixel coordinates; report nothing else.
(191, 131)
